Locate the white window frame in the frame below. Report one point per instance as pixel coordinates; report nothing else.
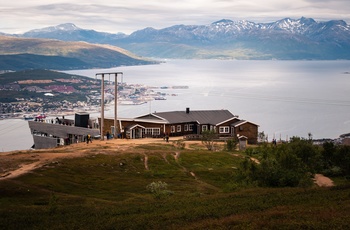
(178, 128)
(151, 131)
(173, 129)
(156, 131)
(224, 129)
(204, 128)
(190, 127)
(186, 128)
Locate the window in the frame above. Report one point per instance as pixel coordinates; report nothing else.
(204, 127)
(173, 128)
(178, 128)
(224, 129)
(148, 131)
(190, 127)
(151, 131)
(186, 128)
(156, 131)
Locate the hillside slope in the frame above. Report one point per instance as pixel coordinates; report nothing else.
(108, 185)
(22, 53)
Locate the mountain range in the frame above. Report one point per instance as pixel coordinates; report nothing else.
(67, 46)
(287, 38)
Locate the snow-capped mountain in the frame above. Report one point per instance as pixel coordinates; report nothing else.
(303, 38)
(287, 38)
(70, 32)
(223, 29)
(67, 27)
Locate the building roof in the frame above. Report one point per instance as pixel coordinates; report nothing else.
(200, 116)
(61, 131)
(241, 122)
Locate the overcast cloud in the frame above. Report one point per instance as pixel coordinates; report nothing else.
(128, 16)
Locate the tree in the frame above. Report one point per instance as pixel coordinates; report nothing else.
(287, 165)
(208, 138)
(231, 144)
(262, 136)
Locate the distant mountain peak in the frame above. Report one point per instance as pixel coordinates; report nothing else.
(307, 20)
(67, 26)
(61, 27)
(223, 21)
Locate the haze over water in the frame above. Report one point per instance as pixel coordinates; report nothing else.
(285, 98)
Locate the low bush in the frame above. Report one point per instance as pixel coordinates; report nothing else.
(159, 189)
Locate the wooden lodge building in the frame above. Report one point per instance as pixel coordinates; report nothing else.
(187, 123)
(51, 133)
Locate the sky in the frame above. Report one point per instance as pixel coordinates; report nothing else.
(127, 16)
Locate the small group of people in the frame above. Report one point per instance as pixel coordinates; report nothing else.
(274, 142)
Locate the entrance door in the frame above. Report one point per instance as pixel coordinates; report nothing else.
(136, 133)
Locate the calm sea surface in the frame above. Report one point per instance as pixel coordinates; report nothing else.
(285, 98)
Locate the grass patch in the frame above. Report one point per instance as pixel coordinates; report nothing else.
(109, 191)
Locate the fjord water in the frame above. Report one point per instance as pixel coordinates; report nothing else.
(285, 98)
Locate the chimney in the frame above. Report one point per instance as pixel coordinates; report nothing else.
(187, 110)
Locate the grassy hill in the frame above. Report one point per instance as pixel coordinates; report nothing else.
(33, 53)
(108, 187)
(49, 78)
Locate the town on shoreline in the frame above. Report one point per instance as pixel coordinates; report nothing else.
(53, 94)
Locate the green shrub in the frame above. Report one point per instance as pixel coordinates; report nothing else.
(159, 189)
(208, 138)
(231, 144)
(287, 165)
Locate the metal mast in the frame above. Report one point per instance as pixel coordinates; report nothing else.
(115, 103)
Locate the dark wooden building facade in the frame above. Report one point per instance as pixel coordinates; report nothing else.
(184, 123)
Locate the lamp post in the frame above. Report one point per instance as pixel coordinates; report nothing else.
(115, 102)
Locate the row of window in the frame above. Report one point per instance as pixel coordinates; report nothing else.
(151, 131)
(189, 127)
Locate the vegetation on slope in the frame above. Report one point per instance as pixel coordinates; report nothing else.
(28, 53)
(107, 188)
(42, 79)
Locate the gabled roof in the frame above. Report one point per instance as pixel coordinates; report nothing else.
(200, 116)
(144, 119)
(241, 122)
(228, 120)
(134, 126)
(243, 137)
(150, 116)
